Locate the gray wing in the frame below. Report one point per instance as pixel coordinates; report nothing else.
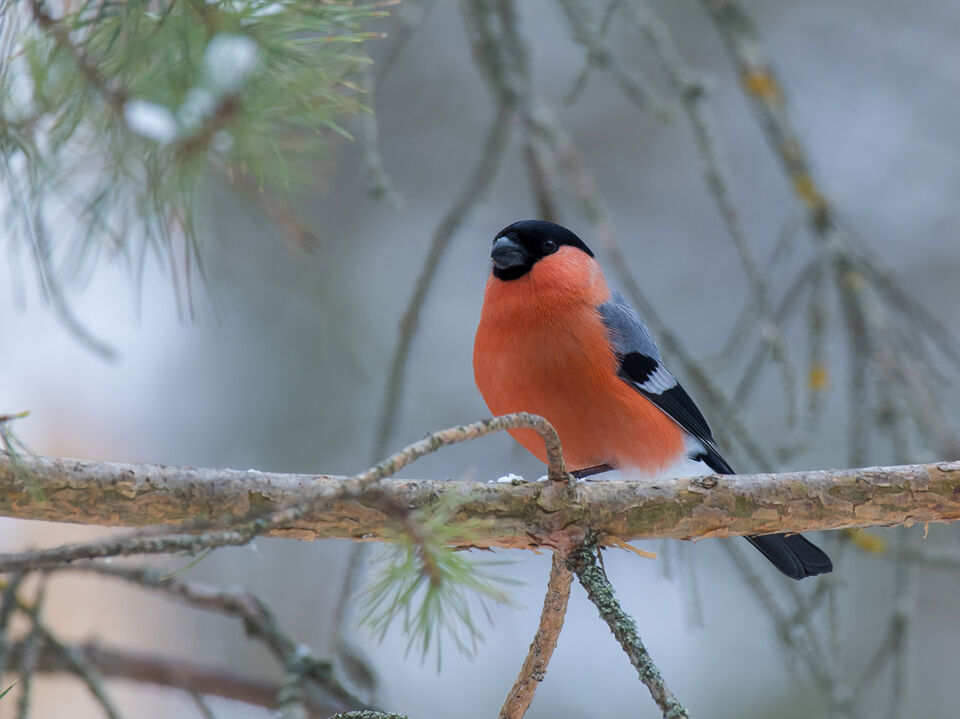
(627, 331)
(641, 366)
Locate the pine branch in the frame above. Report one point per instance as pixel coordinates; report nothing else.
(526, 515)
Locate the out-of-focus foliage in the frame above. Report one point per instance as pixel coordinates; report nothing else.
(113, 112)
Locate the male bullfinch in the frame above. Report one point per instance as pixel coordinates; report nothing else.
(556, 341)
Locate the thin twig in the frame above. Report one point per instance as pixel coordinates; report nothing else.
(73, 661)
(258, 620)
(202, 707)
(762, 87)
(379, 185)
(544, 641)
(589, 33)
(277, 209)
(7, 605)
(354, 664)
(787, 632)
(32, 645)
(904, 611)
(473, 191)
(692, 92)
(583, 562)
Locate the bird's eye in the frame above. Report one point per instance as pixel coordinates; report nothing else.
(548, 247)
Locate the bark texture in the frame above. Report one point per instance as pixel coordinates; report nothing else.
(534, 667)
(526, 515)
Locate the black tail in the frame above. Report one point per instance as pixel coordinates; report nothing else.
(793, 554)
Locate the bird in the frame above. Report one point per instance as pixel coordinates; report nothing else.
(555, 340)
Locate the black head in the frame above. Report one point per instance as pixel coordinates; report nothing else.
(518, 247)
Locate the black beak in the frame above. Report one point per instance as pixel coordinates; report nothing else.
(506, 254)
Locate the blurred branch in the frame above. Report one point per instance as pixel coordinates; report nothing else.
(878, 315)
(316, 688)
(693, 95)
(408, 18)
(477, 184)
(277, 209)
(29, 656)
(258, 620)
(544, 641)
(522, 516)
(583, 561)
(114, 663)
(760, 83)
(589, 32)
(937, 556)
(7, 605)
(379, 184)
(351, 659)
(72, 660)
(787, 625)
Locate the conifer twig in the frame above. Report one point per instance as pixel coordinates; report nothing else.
(583, 562)
(544, 641)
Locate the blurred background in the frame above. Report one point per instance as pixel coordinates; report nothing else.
(280, 357)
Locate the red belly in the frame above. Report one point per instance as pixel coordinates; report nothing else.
(559, 364)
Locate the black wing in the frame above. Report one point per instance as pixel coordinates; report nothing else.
(651, 379)
(642, 368)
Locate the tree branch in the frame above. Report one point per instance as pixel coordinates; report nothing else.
(583, 561)
(113, 663)
(526, 515)
(544, 641)
(258, 619)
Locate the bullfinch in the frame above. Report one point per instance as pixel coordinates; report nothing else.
(556, 341)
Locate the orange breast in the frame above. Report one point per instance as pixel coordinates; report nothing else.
(551, 356)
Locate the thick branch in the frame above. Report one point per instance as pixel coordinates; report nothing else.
(492, 515)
